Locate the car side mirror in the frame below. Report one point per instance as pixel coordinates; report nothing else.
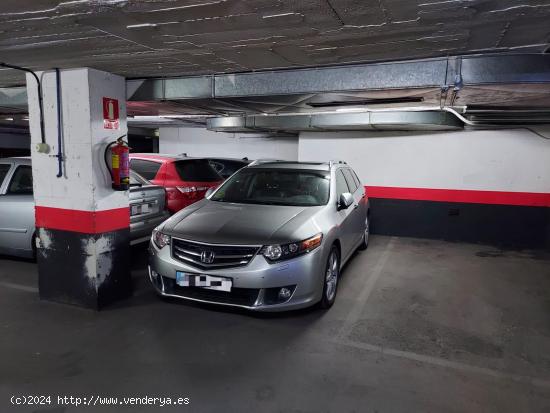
(345, 200)
(209, 192)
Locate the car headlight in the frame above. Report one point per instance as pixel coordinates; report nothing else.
(160, 239)
(280, 252)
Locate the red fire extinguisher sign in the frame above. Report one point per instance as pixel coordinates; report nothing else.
(110, 114)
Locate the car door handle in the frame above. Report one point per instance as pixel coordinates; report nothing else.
(356, 206)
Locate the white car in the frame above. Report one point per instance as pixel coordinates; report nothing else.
(17, 228)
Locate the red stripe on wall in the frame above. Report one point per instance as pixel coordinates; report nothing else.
(460, 195)
(88, 222)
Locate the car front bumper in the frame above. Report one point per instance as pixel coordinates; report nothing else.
(253, 285)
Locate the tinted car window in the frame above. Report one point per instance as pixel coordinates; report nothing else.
(349, 179)
(136, 179)
(4, 168)
(275, 187)
(147, 169)
(341, 184)
(21, 181)
(226, 168)
(196, 170)
(357, 181)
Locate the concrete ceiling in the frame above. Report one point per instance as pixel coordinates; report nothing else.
(156, 38)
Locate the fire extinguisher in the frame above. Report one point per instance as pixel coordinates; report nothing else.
(119, 167)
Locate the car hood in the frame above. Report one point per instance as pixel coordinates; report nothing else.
(242, 224)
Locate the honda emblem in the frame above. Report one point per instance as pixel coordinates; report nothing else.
(207, 257)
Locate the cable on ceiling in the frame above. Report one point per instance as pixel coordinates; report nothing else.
(40, 102)
(472, 123)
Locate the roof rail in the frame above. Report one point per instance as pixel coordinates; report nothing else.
(336, 161)
(266, 160)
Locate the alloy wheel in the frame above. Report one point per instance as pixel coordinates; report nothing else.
(367, 232)
(331, 278)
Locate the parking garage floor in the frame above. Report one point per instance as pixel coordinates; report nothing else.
(418, 326)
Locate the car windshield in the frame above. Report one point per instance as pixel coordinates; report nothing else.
(196, 170)
(4, 168)
(276, 187)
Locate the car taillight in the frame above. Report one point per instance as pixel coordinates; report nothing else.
(188, 191)
(193, 191)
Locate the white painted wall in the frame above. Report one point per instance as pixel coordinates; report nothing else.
(497, 160)
(202, 142)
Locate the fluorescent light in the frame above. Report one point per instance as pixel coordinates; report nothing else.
(143, 117)
(138, 26)
(345, 110)
(170, 117)
(187, 116)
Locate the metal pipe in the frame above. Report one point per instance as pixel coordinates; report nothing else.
(357, 110)
(492, 125)
(59, 155)
(460, 117)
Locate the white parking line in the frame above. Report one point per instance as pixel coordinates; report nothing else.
(342, 338)
(19, 287)
(356, 311)
(436, 361)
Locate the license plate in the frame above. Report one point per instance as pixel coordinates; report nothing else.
(140, 209)
(203, 281)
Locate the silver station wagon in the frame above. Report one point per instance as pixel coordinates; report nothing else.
(17, 224)
(273, 237)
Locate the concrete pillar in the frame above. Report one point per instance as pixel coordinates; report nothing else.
(82, 224)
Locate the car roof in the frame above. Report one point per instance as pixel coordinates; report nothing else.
(156, 156)
(172, 157)
(19, 160)
(161, 157)
(244, 161)
(316, 166)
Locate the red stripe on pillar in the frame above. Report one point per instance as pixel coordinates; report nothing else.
(88, 222)
(460, 195)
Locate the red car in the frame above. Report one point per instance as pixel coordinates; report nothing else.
(186, 180)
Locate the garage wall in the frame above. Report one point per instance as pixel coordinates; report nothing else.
(202, 142)
(14, 144)
(15, 140)
(475, 186)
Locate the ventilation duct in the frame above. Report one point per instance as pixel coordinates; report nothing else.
(387, 120)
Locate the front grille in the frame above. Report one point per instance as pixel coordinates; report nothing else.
(212, 256)
(238, 296)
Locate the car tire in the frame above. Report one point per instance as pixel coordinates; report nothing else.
(331, 277)
(366, 235)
